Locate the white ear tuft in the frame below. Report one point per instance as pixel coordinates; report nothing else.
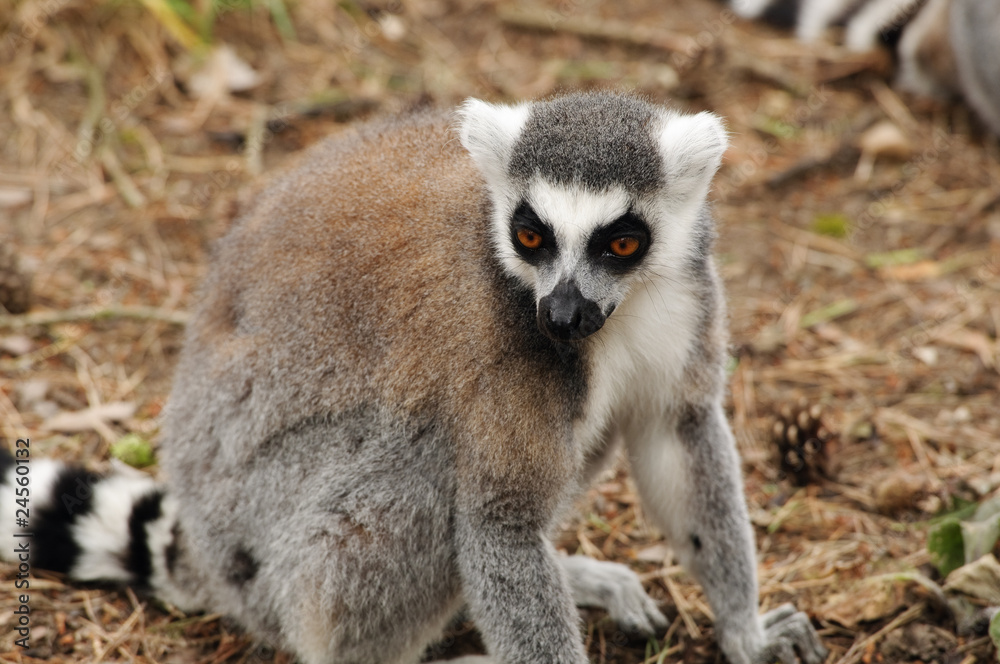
(488, 132)
(692, 147)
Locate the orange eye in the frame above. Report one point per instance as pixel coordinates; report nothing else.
(624, 247)
(529, 238)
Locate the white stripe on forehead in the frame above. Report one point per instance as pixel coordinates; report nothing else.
(574, 211)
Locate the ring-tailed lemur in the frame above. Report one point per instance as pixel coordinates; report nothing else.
(410, 356)
(944, 47)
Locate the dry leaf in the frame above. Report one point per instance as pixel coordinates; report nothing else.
(657, 553)
(913, 272)
(223, 72)
(899, 491)
(980, 578)
(973, 341)
(885, 139)
(873, 600)
(926, 354)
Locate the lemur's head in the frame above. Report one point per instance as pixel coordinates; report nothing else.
(593, 194)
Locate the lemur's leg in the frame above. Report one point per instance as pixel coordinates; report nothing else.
(616, 589)
(517, 592)
(512, 581)
(688, 475)
(609, 586)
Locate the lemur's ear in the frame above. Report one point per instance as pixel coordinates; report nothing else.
(691, 147)
(488, 132)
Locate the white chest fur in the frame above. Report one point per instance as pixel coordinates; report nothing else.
(637, 361)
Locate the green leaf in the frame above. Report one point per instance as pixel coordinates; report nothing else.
(964, 536)
(599, 523)
(838, 309)
(134, 450)
(945, 544)
(282, 21)
(775, 127)
(833, 224)
(897, 257)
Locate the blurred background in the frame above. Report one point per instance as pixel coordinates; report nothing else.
(859, 241)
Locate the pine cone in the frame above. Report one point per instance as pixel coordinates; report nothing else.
(804, 443)
(15, 285)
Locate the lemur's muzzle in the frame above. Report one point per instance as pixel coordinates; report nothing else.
(566, 315)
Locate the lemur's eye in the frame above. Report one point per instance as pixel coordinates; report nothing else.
(621, 244)
(623, 247)
(528, 238)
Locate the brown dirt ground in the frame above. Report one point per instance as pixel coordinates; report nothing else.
(114, 181)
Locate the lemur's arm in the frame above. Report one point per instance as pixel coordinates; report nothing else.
(512, 582)
(516, 590)
(688, 475)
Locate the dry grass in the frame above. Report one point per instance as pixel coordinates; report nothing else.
(114, 180)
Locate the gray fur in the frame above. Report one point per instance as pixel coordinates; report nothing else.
(596, 140)
(369, 431)
(975, 34)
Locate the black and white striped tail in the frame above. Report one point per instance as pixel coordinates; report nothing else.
(866, 22)
(117, 527)
(942, 47)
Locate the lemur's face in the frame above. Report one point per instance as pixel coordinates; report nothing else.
(593, 197)
(579, 253)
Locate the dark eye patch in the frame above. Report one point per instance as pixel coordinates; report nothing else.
(628, 225)
(525, 217)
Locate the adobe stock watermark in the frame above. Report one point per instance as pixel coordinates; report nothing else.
(22, 33)
(21, 479)
(968, 295)
(909, 172)
(795, 120)
(367, 31)
(711, 32)
(255, 143)
(117, 113)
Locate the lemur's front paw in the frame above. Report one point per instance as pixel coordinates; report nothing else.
(616, 589)
(785, 631)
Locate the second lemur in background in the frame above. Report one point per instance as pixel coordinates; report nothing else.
(944, 47)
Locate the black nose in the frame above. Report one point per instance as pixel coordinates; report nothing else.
(566, 315)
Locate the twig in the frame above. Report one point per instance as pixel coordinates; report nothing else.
(683, 608)
(120, 635)
(857, 650)
(894, 107)
(842, 154)
(972, 645)
(96, 101)
(661, 656)
(845, 152)
(92, 314)
(126, 187)
(593, 28)
(767, 70)
(254, 145)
